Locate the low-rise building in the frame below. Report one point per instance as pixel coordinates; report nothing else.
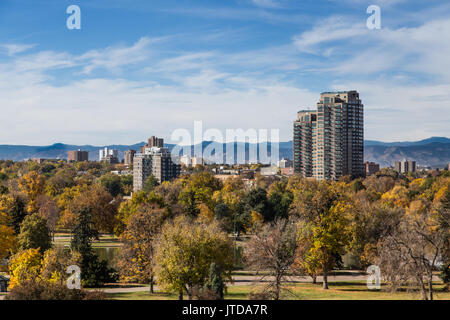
(285, 163)
(405, 166)
(371, 168)
(77, 156)
(287, 171)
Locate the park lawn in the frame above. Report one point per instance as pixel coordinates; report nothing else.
(105, 240)
(142, 295)
(303, 291)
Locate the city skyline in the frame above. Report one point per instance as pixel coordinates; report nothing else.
(164, 66)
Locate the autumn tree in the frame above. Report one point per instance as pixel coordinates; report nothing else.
(101, 204)
(55, 263)
(273, 249)
(137, 253)
(413, 251)
(324, 222)
(49, 210)
(8, 241)
(25, 265)
(131, 207)
(14, 206)
(184, 252)
(199, 188)
(32, 184)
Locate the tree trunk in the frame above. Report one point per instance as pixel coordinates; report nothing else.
(151, 285)
(277, 288)
(190, 292)
(180, 296)
(423, 290)
(430, 287)
(314, 278)
(325, 277)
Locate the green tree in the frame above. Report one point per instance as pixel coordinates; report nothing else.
(215, 283)
(150, 183)
(34, 234)
(112, 183)
(93, 271)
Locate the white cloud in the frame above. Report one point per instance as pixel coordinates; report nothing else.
(113, 57)
(14, 48)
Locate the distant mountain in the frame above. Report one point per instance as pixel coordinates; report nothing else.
(407, 143)
(56, 151)
(434, 151)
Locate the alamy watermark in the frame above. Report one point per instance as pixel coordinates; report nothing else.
(374, 21)
(236, 146)
(74, 280)
(74, 20)
(373, 281)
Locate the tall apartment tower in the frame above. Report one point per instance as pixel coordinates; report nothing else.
(156, 161)
(329, 141)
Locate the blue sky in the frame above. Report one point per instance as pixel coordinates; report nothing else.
(142, 67)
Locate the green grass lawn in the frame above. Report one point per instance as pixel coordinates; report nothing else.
(105, 240)
(303, 291)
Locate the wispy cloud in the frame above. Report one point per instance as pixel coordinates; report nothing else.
(14, 48)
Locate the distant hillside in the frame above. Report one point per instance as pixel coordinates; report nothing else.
(434, 151)
(407, 143)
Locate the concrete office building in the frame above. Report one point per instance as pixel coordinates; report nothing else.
(77, 155)
(129, 157)
(156, 161)
(329, 142)
(405, 166)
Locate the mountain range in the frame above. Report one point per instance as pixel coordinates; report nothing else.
(434, 151)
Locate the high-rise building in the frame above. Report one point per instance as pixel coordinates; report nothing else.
(156, 161)
(153, 142)
(78, 155)
(129, 156)
(329, 141)
(405, 166)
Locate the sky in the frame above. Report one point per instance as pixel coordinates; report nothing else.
(138, 68)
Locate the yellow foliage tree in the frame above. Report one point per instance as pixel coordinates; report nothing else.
(8, 241)
(25, 265)
(33, 185)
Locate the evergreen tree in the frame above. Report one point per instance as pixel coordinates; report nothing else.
(215, 282)
(93, 271)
